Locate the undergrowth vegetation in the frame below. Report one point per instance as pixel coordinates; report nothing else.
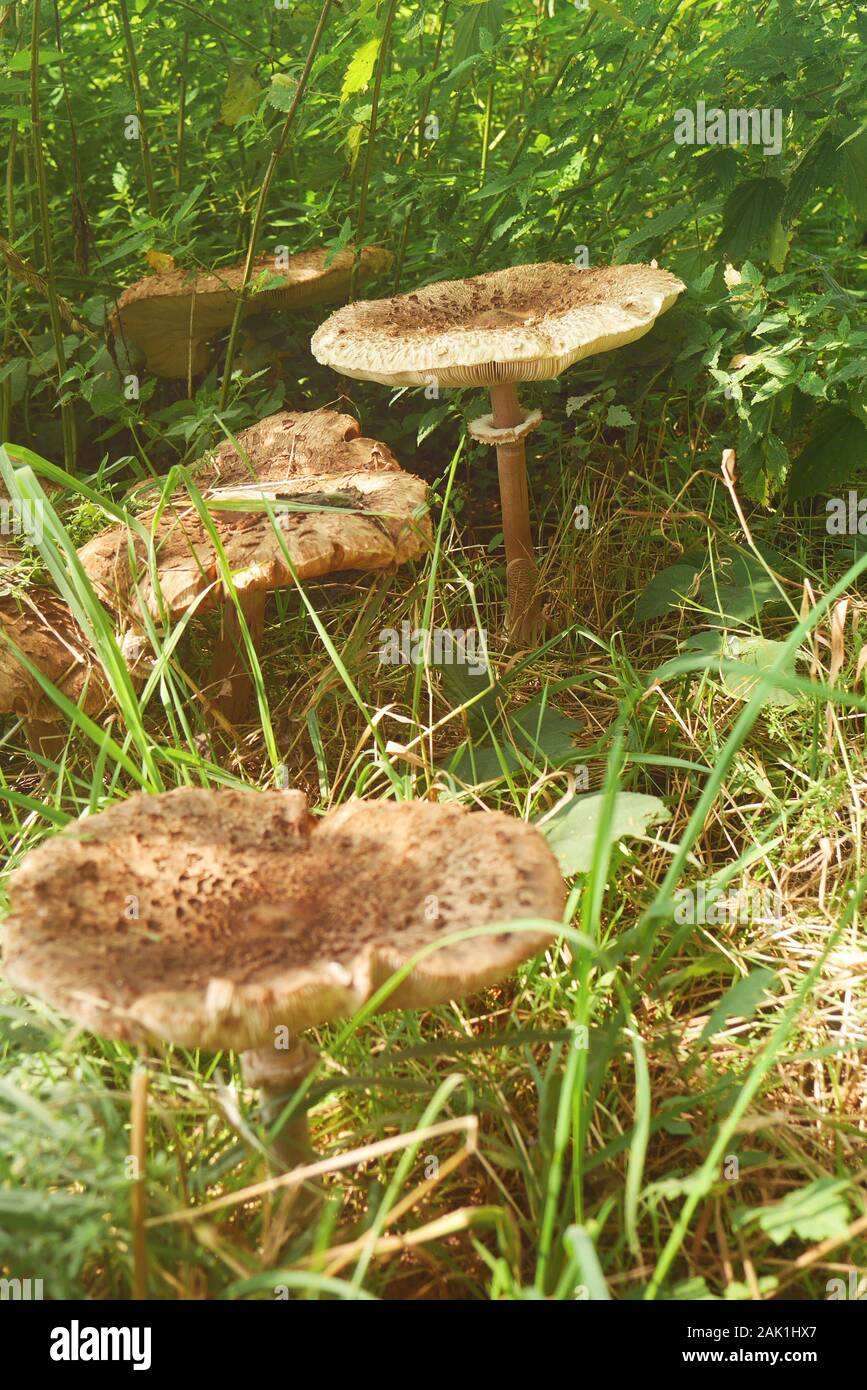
(671, 1101)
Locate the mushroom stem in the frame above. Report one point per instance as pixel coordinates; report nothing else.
(230, 676)
(138, 1152)
(524, 618)
(277, 1073)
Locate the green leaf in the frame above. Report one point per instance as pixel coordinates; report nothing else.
(853, 168)
(20, 61)
(572, 833)
(360, 69)
(741, 1001)
(836, 449)
(241, 96)
(666, 591)
(816, 1212)
(618, 417)
(545, 732)
(281, 93)
(764, 655)
(486, 18)
(749, 217)
(816, 169)
(656, 226)
(604, 7)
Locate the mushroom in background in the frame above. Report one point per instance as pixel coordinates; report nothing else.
(39, 624)
(172, 316)
(236, 919)
(341, 502)
(526, 323)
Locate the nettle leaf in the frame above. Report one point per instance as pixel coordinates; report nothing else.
(741, 1001)
(281, 93)
(836, 449)
(816, 1212)
(486, 18)
(360, 69)
(573, 832)
(749, 217)
(666, 591)
(816, 168)
(618, 417)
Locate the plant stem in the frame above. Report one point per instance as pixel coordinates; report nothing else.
(139, 107)
(262, 200)
(486, 133)
(66, 412)
(182, 111)
(381, 60)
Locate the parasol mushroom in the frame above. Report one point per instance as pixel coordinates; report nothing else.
(526, 323)
(236, 919)
(171, 316)
(346, 505)
(38, 624)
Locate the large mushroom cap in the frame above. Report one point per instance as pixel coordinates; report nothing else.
(41, 626)
(365, 514)
(526, 323)
(208, 918)
(172, 315)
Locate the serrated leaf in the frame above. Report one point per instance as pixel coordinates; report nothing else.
(816, 1212)
(360, 69)
(281, 93)
(816, 168)
(618, 417)
(572, 834)
(750, 214)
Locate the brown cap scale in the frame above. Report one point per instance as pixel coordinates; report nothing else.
(173, 315)
(213, 918)
(526, 323)
(39, 624)
(364, 513)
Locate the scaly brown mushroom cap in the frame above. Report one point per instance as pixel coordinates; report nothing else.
(319, 456)
(172, 315)
(40, 624)
(526, 323)
(209, 918)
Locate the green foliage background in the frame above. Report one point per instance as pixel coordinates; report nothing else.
(578, 105)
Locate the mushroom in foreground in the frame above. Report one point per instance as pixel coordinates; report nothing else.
(236, 919)
(38, 624)
(171, 316)
(341, 502)
(526, 323)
